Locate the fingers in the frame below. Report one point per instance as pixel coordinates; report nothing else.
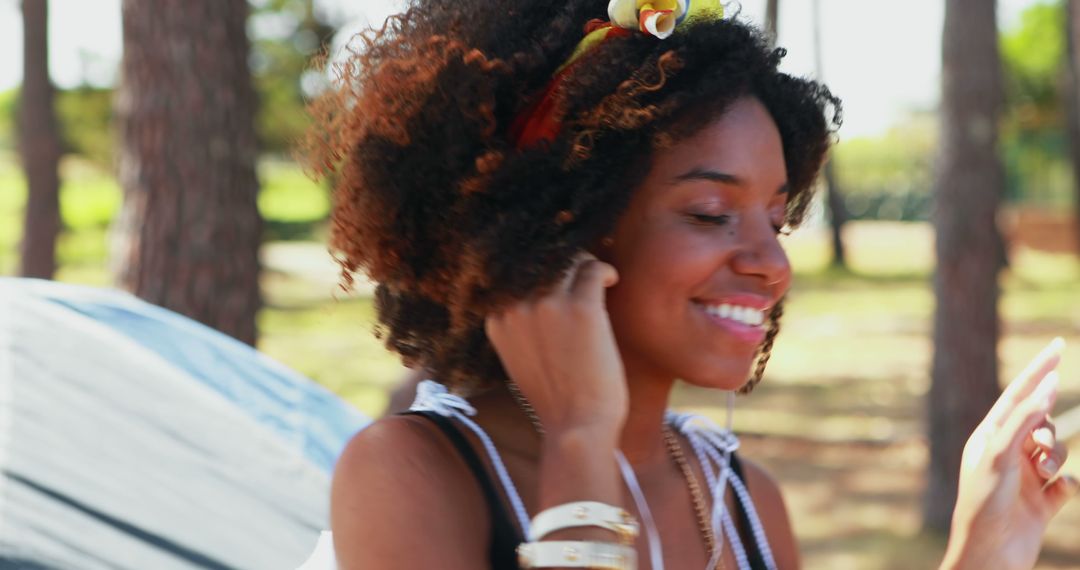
(1025, 417)
(586, 280)
(586, 275)
(1046, 453)
(1048, 463)
(593, 277)
(1042, 438)
(1026, 382)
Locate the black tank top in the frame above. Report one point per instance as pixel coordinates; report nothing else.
(505, 536)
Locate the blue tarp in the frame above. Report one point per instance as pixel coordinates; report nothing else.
(132, 437)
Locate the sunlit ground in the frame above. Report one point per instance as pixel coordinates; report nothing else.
(837, 419)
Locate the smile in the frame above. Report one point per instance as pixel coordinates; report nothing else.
(745, 315)
(740, 321)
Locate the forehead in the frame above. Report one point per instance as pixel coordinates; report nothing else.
(743, 142)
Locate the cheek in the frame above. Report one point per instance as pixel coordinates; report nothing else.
(668, 269)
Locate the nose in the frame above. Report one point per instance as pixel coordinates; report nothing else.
(761, 255)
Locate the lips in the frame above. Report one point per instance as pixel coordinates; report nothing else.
(739, 316)
(748, 316)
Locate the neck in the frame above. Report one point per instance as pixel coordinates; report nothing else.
(642, 440)
(642, 437)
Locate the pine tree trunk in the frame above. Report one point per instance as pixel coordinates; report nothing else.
(772, 21)
(189, 230)
(967, 190)
(39, 144)
(1072, 103)
(838, 215)
(834, 197)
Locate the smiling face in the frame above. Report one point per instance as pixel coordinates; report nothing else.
(697, 253)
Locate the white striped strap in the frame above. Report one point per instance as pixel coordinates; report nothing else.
(576, 554)
(581, 514)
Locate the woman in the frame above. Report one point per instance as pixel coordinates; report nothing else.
(561, 227)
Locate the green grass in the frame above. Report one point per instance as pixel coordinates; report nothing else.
(331, 342)
(292, 205)
(288, 195)
(89, 198)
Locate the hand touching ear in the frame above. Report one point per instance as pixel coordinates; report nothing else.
(560, 350)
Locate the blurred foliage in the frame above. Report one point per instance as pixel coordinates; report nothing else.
(86, 119)
(85, 115)
(889, 177)
(7, 119)
(1033, 54)
(1034, 139)
(286, 35)
(292, 206)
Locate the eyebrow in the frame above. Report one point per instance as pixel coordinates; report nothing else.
(699, 173)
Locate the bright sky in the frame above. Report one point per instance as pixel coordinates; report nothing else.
(882, 57)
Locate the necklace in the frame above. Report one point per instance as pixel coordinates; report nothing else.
(701, 509)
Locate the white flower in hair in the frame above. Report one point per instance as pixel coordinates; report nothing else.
(659, 17)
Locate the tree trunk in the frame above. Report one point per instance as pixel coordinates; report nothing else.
(838, 214)
(189, 230)
(967, 190)
(834, 197)
(39, 144)
(1072, 103)
(772, 21)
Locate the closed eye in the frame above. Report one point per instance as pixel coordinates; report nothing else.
(720, 220)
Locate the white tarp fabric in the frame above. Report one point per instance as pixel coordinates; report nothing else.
(131, 437)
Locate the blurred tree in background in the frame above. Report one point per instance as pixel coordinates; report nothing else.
(1034, 134)
(188, 234)
(834, 195)
(968, 187)
(287, 34)
(772, 20)
(86, 114)
(39, 145)
(1071, 95)
(889, 177)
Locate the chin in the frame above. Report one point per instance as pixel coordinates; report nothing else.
(729, 379)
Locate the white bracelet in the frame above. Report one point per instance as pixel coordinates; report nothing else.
(584, 513)
(576, 554)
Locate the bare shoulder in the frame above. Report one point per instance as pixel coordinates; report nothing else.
(762, 486)
(769, 502)
(397, 491)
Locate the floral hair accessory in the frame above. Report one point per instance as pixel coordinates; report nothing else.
(659, 17)
(542, 121)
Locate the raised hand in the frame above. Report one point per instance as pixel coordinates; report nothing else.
(560, 350)
(1010, 487)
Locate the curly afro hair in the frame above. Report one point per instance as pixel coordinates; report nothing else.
(436, 205)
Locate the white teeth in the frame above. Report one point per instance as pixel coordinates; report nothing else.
(745, 315)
